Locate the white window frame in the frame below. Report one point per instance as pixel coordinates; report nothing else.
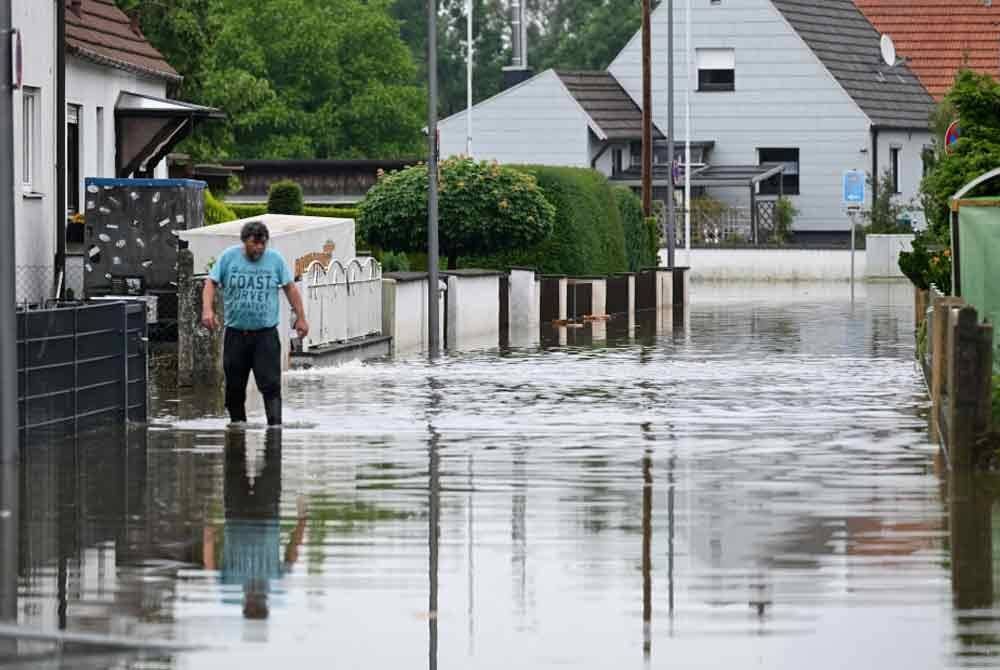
(715, 60)
(30, 138)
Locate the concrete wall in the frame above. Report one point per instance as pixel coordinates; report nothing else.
(524, 308)
(35, 207)
(537, 121)
(404, 314)
(774, 264)
(784, 98)
(882, 255)
(473, 311)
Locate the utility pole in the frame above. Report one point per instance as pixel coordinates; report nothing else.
(8, 297)
(468, 80)
(671, 206)
(647, 113)
(433, 317)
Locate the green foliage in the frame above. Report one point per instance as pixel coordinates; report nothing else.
(922, 340)
(582, 34)
(393, 261)
(285, 197)
(976, 99)
(641, 233)
(296, 78)
(929, 263)
(784, 216)
(247, 211)
(886, 212)
(484, 208)
(216, 211)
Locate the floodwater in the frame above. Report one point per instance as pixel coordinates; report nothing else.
(747, 485)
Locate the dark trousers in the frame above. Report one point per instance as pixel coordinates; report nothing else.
(260, 351)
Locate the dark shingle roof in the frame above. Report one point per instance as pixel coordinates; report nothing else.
(848, 46)
(102, 33)
(607, 103)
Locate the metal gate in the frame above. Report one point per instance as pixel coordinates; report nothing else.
(81, 366)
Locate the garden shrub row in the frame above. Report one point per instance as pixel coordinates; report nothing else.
(247, 211)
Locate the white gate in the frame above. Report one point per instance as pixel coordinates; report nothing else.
(343, 301)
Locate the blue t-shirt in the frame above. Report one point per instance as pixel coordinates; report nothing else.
(250, 288)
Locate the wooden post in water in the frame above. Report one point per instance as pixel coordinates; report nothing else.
(970, 368)
(920, 301)
(938, 339)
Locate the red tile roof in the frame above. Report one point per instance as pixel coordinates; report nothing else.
(940, 36)
(102, 33)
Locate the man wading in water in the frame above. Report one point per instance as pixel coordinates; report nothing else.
(250, 276)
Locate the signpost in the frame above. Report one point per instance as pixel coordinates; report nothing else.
(854, 199)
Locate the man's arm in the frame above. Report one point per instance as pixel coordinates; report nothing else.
(208, 305)
(295, 300)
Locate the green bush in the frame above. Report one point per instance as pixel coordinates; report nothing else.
(216, 211)
(928, 263)
(247, 211)
(641, 233)
(330, 211)
(484, 208)
(587, 237)
(285, 197)
(395, 262)
(784, 217)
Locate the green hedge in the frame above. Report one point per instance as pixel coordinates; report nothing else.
(641, 234)
(217, 211)
(285, 197)
(587, 238)
(252, 210)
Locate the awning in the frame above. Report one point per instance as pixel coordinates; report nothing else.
(710, 175)
(147, 128)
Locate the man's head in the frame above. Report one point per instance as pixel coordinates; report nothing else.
(254, 236)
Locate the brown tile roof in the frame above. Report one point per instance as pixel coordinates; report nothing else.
(607, 103)
(940, 36)
(102, 33)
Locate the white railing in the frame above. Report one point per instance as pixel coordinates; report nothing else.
(343, 301)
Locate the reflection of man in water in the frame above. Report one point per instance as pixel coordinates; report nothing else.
(251, 552)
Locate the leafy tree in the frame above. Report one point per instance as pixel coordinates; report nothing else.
(976, 99)
(582, 34)
(484, 208)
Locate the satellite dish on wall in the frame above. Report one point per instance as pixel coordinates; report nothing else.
(888, 51)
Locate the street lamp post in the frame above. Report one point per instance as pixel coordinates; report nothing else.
(8, 315)
(433, 317)
(671, 207)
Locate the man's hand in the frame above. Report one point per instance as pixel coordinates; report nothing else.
(301, 327)
(209, 321)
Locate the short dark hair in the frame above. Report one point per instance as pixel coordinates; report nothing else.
(255, 230)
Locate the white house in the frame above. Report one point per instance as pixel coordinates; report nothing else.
(795, 83)
(118, 121)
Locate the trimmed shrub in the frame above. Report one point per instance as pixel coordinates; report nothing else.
(484, 208)
(247, 211)
(330, 211)
(587, 237)
(395, 262)
(641, 234)
(216, 211)
(285, 197)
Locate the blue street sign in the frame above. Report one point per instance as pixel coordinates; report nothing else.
(854, 187)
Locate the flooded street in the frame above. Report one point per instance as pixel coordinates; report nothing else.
(750, 485)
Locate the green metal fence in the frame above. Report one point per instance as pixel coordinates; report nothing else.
(978, 261)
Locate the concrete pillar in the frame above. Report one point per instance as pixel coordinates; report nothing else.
(389, 310)
(199, 351)
(563, 305)
(599, 297)
(631, 302)
(664, 288)
(524, 307)
(970, 369)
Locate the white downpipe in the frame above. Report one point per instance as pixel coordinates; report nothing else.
(687, 137)
(468, 80)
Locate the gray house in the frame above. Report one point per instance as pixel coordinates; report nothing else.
(792, 83)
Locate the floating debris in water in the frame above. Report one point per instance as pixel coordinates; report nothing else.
(104, 237)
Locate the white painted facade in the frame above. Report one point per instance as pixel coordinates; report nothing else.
(756, 264)
(473, 312)
(535, 122)
(404, 314)
(94, 90)
(34, 204)
(784, 97)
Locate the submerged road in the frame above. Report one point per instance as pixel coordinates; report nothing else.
(751, 485)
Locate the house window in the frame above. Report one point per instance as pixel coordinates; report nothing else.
(616, 161)
(72, 159)
(29, 138)
(894, 168)
(716, 69)
(789, 180)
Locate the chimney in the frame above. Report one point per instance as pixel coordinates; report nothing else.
(518, 69)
